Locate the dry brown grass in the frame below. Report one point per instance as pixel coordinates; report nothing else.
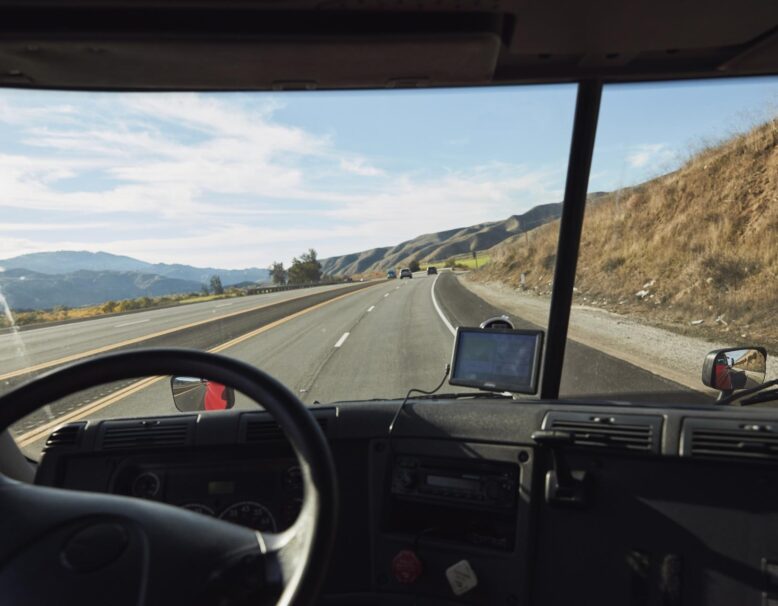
(702, 240)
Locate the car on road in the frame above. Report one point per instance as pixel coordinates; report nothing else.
(405, 272)
(432, 270)
(391, 274)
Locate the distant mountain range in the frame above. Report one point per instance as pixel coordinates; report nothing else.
(442, 245)
(68, 261)
(77, 278)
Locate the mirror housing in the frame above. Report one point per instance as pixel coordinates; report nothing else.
(734, 368)
(502, 322)
(192, 394)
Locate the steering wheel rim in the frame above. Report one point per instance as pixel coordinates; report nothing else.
(302, 552)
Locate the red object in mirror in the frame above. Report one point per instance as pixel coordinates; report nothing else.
(217, 396)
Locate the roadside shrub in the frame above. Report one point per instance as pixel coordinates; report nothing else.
(613, 263)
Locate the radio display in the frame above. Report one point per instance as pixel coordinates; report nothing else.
(451, 482)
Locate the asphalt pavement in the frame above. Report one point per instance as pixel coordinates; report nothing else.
(34, 347)
(377, 342)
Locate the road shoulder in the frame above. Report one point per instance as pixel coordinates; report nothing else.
(675, 357)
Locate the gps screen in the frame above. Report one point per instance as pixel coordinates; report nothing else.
(496, 360)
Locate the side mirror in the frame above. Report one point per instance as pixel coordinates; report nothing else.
(499, 323)
(192, 394)
(734, 368)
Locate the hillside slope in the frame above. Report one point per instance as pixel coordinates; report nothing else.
(441, 245)
(24, 289)
(68, 261)
(696, 249)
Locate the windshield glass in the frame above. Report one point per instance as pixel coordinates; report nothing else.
(299, 232)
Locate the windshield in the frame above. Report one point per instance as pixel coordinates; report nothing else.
(297, 232)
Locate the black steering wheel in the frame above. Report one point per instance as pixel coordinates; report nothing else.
(67, 547)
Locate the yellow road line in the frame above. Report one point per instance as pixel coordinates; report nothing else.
(41, 432)
(167, 331)
(38, 433)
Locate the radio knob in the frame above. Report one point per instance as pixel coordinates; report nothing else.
(407, 478)
(495, 491)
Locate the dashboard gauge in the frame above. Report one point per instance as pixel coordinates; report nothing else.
(199, 508)
(251, 514)
(146, 485)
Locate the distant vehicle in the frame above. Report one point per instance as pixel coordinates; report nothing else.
(432, 270)
(348, 279)
(391, 274)
(405, 272)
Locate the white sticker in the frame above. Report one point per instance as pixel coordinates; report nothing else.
(461, 577)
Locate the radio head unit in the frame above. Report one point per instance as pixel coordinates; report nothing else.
(458, 483)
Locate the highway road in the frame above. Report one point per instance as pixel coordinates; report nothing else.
(48, 345)
(377, 342)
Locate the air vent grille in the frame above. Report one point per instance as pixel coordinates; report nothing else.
(67, 435)
(735, 439)
(260, 430)
(634, 433)
(145, 433)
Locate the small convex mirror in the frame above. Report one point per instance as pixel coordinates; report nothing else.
(192, 394)
(735, 368)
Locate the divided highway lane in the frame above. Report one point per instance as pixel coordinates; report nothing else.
(35, 347)
(377, 342)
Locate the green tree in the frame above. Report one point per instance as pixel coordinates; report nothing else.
(305, 269)
(277, 272)
(216, 285)
(204, 290)
(414, 265)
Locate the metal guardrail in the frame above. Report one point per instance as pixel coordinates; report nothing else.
(282, 287)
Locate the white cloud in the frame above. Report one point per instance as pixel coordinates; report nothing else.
(359, 166)
(194, 179)
(649, 155)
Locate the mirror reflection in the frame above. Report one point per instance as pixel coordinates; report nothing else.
(739, 369)
(193, 394)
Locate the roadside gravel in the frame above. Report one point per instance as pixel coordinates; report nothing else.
(667, 354)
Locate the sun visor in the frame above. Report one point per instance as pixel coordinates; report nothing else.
(264, 64)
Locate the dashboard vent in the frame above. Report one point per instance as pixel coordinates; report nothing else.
(261, 430)
(733, 439)
(145, 433)
(631, 433)
(67, 435)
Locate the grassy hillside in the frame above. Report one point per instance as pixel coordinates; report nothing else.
(441, 246)
(700, 243)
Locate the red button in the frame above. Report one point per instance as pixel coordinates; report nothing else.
(406, 567)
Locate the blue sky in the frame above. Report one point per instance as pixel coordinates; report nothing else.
(238, 180)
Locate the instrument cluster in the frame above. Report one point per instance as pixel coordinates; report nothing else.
(267, 499)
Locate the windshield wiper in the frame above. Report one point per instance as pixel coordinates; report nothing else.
(762, 395)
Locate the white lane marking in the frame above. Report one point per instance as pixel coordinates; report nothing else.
(371, 308)
(224, 304)
(342, 339)
(440, 312)
(130, 323)
(386, 295)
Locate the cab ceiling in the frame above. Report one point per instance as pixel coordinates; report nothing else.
(254, 45)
